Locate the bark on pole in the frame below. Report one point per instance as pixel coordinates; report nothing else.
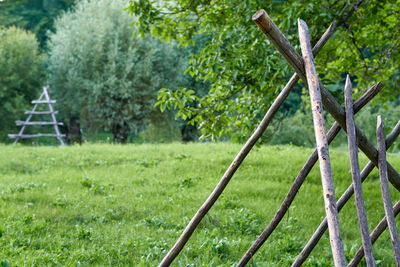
(387, 201)
(322, 145)
(332, 133)
(279, 40)
(302, 257)
(175, 250)
(379, 229)
(355, 173)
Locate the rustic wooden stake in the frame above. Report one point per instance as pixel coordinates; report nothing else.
(379, 229)
(322, 145)
(282, 44)
(355, 173)
(301, 258)
(332, 133)
(387, 202)
(180, 243)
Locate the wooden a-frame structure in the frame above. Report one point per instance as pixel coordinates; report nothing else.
(43, 99)
(305, 70)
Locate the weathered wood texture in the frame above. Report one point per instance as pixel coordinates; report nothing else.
(19, 123)
(43, 102)
(355, 173)
(175, 250)
(301, 258)
(39, 112)
(34, 135)
(387, 202)
(53, 116)
(332, 133)
(379, 229)
(282, 44)
(322, 145)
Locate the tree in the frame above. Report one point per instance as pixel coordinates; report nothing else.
(102, 75)
(22, 74)
(246, 72)
(33, 15)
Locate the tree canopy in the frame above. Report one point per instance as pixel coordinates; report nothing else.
(105, 78)
(22, 73)
(36, 16)
(244, 69)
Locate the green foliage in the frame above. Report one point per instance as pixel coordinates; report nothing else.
(368, 116)
(110, 205)
(297, 130)
(367, 47)
(162, 128)
(22, 75)
(36, 16)
(101, 74)
(246, 72)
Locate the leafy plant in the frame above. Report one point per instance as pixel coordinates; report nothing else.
(246, 72)
(22, 75)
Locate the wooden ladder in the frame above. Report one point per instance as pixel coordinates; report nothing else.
(43, 99)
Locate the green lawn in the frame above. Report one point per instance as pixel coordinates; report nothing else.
(120, 205)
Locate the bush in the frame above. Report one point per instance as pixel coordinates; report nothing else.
(161, 129)
(22, 75)
(298, 129)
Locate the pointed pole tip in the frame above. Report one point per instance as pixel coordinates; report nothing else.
(347, 84)
(302, 23)
(379, 122)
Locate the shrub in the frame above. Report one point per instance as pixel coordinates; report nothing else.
(22, 75)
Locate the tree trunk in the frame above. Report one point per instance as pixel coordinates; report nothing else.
(120, 133)
(73, 131)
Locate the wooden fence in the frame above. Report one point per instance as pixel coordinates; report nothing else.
(304, 69)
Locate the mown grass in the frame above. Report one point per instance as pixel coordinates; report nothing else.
(126, 205)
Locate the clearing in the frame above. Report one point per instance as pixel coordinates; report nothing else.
(127, 204)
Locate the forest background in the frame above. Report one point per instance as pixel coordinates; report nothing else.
(188, 70)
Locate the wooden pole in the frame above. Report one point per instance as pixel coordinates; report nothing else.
(18, 123)
(379, 229)
(322, 145)
(341, 202)
(34, 135)
(332, 133)
(355, 173)
(282, 44)
(387, 202)
(180, 243)
(53, 116)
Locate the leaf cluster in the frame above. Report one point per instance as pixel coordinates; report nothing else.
(246, 72)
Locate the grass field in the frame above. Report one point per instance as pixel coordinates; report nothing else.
(118, 205)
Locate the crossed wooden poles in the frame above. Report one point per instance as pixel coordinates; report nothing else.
(304, 69)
